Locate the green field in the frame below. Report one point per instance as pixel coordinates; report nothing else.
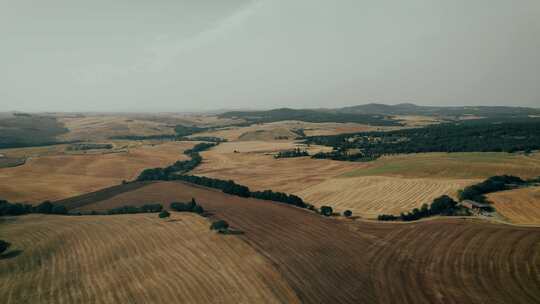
(453, 165)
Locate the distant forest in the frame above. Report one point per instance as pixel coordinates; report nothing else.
(310, 116)
(475, 136)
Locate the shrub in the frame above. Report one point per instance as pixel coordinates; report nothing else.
(4, 246)
(347, 213)
(164, 214)
(219, 225)
(198, 209)
(326, 210)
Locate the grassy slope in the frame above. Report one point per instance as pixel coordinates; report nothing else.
(132, 259)
(326, 260)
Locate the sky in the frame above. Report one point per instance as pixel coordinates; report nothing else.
(198, 55)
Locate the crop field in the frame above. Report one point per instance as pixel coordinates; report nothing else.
(58, 176)
(520, 206)
(453, 165)
(343, 261)
(132, 259)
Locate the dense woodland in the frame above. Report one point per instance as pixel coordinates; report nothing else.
(25, 130)
(477, 136)
(477, 192)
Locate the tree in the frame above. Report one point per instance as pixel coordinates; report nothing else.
(45, 207)
(326, 210)
(198, 209)
(164, 214)
(4, 246)
(219, 225)
(347, 213)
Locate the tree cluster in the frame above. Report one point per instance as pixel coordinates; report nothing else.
(493, 184)
(7, 208)
(484, 136)
(292, 153)
(443, 205)
(148, 208)
(187, 207)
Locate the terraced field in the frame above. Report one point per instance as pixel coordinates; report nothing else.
(370, 196)
(340, 261)
(58, 176)
(132, 259)
(520, 206)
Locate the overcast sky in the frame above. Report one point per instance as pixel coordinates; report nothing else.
(183, 55)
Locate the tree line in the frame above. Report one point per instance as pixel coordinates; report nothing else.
(484, 136)
(291, 153)
(179, 167)
(477, 192)
(7, 208)
(443, 205)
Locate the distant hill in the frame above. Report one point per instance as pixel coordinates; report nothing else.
(412, 109)
(310, 115)
(381, 114)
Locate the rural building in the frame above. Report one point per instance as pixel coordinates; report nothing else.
(475, 205)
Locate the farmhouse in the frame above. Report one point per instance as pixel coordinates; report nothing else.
(475, 205)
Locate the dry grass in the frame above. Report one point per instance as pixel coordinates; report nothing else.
(520, 206)
(326, 260)
(59, 176)
(133, 259)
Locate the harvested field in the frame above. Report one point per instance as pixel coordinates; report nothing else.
(132, 259)
(469, 165)
(520, 206)
(326, 182)
(370, 196)
(326, 260)
(258, 170)
(60, 176)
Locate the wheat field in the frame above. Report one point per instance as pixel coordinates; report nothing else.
(132, 259)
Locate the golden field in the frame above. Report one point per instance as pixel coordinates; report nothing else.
(520, 206)
(58, 175)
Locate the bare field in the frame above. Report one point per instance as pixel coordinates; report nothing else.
(62, 175)
(520, 206)
(370, 196)
(327, 260)
(133, 259)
